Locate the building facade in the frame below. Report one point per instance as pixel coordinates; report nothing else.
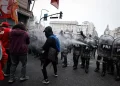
(24, 12)
(88, 28)
(115, 33)
(64, 25)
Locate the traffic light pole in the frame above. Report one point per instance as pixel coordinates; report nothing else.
(41, 15)
(49, 16)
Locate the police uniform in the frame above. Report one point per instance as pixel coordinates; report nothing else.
(64, 54)
(85, 57)
(76, 55)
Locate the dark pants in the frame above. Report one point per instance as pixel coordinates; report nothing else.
(75, 60)
(104, 64)
(65, 60)
(85, 62)
(8, 62)
(110, 66)
(15, 61)
(98, 62)
(64, 57)
(45, 64)
(118, 67)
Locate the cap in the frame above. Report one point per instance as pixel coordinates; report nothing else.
(5, 24)
(48, 29)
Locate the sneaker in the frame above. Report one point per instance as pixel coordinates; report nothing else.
(45, 81)
(11, 80)
(55, 75)
(24, 78)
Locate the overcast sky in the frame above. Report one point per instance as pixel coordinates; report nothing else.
(100, 12)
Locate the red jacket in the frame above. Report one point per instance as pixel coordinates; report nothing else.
(4, 43)
(4, 37)
(3, 62)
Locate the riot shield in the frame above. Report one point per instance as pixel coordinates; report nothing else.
(116, 48)
(105, 46)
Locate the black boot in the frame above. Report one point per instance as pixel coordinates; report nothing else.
(117, 78)
(86, 70)
(74, 67)
(98, 66)
(103, 74)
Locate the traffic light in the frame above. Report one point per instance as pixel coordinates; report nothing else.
(45, 17)
(60, 15)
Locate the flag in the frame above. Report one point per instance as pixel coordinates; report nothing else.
(55, 3)
(8, 9)
(14, 8)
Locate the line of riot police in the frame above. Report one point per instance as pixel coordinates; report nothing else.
(108, 50)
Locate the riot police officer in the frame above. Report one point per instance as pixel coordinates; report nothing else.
(76, 55)
(85, 57)
(64, 54)
(116, 56)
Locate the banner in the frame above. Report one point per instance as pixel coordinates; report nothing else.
(8, 9)
(55, 3)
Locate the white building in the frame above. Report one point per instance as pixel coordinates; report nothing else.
(87, 27)
(64, 25)
(115, 33)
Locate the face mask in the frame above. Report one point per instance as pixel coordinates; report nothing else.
(46, 34)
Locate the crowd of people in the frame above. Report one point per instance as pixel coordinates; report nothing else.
(14, 45)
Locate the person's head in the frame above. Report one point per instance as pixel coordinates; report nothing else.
(5, 24)
(81, 32)
(48, 31)
(19, 26)
(90, 35)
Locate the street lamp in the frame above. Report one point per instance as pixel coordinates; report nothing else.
(41, 14)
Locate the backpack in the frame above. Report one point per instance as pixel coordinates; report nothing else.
(52, 53)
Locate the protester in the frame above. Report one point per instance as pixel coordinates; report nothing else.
(3, 55)
(19, 41)
(5, 42)
(51, 44)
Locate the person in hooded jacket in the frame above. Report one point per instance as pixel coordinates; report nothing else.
(5, 42)
(51, 42)
(19, 41)
(3, 55)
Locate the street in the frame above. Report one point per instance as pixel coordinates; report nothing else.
(66, 76)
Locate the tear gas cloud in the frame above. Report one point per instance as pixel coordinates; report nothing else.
(37, 37)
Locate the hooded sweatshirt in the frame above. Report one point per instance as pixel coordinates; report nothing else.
(19, 41)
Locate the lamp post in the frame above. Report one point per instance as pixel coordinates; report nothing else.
(41, 15)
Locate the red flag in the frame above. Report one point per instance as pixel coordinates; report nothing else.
(8, 9)
(55, 3)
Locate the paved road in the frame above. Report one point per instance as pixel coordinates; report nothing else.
(67, 76)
